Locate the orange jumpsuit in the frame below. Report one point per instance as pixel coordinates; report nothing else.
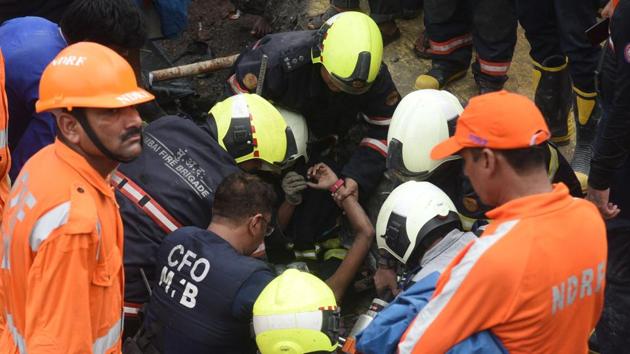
(61, 258)
(535, 278)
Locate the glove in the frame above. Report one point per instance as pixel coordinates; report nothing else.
(293, 184)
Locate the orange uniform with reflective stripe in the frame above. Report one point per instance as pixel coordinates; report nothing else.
(5, 157)
(61, 258)
(5, 162)
(535, 278)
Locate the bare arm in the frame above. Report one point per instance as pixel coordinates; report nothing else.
(285, 213)
(363, 238)
(361, 225)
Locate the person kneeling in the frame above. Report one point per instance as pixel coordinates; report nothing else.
(205, 295)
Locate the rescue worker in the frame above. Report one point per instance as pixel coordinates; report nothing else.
(5, 156)
(454, 27)
(208, 285)
(307, 311)
(172, 184)
(334, 77)
(62, 233)
(423, 119)
(609, 178)
(563, 58)
(323, 177)
(5, 162)
(499, 136)
(330, 76)
(30, 43)
(419, 226)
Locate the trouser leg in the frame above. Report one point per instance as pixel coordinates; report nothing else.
(613, 329)
(494, 38)
(448, 28)
(385, 10)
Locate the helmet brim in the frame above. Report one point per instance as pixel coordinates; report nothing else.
(126, 99)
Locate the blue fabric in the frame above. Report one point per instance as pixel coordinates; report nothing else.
(28, 45)
(248, 293)
(384, 333)
(194, 304)
(173, 15)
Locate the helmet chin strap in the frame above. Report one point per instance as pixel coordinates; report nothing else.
(82, 119)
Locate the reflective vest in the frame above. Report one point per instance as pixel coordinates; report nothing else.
(171, 184)
(61, 258)
(200, 275)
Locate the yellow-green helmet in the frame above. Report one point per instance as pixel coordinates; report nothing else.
(296, 313)
(248, 127)
(350, 47)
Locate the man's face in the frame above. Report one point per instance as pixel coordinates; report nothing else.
(326, 77)
(118, 129)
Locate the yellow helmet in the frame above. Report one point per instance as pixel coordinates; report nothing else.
(296, 313)
(350, 47)
(248, 127)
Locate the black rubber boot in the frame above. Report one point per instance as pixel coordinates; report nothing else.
(587, 115)
(441, 74)
(553, 96)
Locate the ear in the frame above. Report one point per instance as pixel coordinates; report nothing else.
(68, 126)
(488, 161)
(254, 224)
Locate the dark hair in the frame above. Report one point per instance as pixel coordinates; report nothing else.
(241, 195)
(521, 160)
(107, 22)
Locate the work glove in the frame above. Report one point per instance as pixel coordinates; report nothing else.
(293, 184)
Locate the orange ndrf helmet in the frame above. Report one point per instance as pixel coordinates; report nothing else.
(89, 75)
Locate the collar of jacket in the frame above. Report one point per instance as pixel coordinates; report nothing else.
(78, 163)
(533, 205)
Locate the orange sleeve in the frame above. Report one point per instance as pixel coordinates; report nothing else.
(57, 304)
(474, 293)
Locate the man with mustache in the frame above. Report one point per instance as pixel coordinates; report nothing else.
(61, 255)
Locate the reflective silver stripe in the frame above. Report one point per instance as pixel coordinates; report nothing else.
(458, 275)
(382, 121)
(102, 344)
(494, 67)
(149, 206)
(375, 144)
(48, 223)
(3, 139)
(303, 320)
(17, 337)
(450, 45)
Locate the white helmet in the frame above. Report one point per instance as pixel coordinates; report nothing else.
(412, 217)
(298, 126)
(420, 122)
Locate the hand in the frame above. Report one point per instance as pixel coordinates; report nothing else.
(261, 27)
(293, 184)
(601, 200)
(607, 11)
(323, 176)
(384, 281)
(350, 188)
